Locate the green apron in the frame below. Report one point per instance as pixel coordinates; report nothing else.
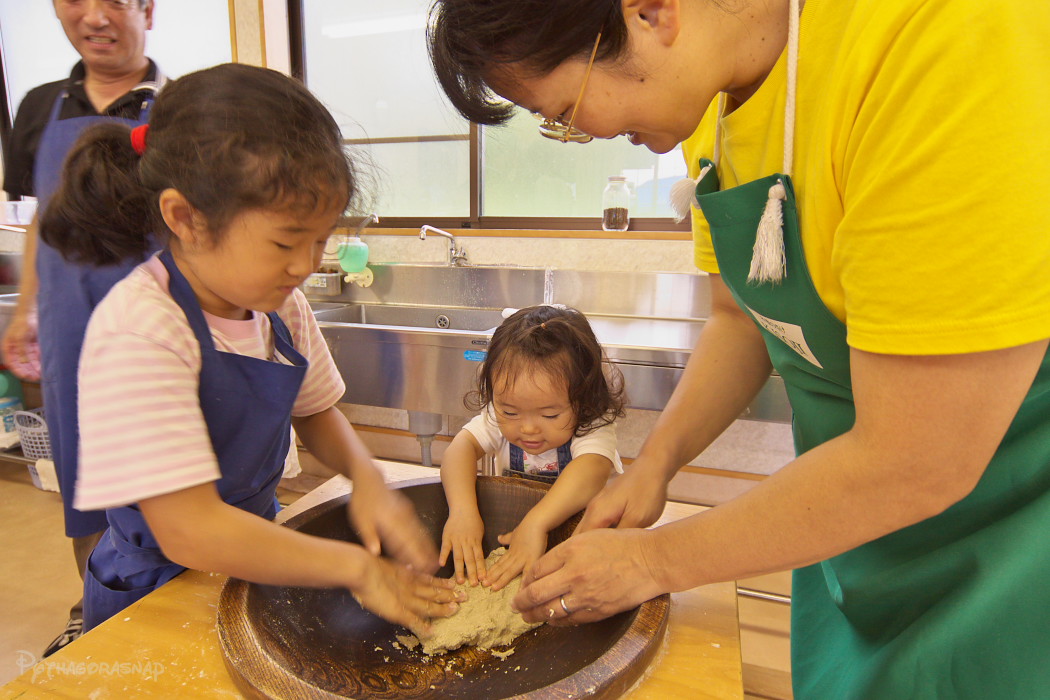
(946, 608)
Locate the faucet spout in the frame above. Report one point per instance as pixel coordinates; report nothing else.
(372, 218)
(456, 255)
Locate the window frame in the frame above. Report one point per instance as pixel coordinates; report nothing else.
(6, 109)
(645, 227)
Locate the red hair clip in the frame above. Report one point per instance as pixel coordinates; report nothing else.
(138, 138)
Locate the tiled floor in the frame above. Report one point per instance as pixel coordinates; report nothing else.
(38, 580)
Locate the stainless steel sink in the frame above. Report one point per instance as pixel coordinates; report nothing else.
(458, 319)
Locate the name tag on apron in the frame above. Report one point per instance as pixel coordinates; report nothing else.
(790, 334)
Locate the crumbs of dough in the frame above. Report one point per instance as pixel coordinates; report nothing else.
(408, 640)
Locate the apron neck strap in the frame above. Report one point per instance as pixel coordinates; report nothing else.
(792, 81)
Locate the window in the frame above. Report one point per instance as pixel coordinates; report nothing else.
(368, 62)
(187, 36)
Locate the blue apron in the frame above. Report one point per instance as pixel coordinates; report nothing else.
(517, 464)
(67, 295)
(247, 405)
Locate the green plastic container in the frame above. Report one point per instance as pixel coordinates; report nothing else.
(353, 255)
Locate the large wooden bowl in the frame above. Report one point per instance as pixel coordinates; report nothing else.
(284, 642)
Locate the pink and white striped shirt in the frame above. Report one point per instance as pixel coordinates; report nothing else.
(142, 432)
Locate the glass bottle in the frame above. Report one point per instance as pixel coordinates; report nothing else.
(615, 200)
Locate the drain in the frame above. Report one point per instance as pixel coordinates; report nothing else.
(443, 322)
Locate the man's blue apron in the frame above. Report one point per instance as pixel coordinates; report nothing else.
(67, 295)
(247, 405)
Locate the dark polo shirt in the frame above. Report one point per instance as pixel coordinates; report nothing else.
(20, 149)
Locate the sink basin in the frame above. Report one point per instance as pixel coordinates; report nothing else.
(457, 319)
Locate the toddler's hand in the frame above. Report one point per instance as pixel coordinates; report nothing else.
(405, 597)
(527, 544)
(462, 537)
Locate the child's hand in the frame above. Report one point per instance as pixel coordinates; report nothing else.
(382, 515)
(462, 536)
(526, 545)
(402, 596)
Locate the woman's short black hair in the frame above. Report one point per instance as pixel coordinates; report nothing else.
(467, 39)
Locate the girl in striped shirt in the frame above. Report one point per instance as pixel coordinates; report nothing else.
(195, 365)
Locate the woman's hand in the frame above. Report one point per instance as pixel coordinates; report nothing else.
(386, 520)
(635, 499)
(596, 574)
(403, 596)
(526, 545)
(462, 537)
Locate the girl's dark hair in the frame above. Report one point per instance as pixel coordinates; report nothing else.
(229, 138)
(559, 341)
(468, 38)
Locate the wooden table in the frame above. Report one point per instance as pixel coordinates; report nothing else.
(166, 645)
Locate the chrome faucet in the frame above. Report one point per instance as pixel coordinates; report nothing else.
(456, 255)
(372, 218)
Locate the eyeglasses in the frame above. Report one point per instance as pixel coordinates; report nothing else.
(119, 5)
(560, 131)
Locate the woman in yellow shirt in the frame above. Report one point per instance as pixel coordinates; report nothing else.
(872, 206)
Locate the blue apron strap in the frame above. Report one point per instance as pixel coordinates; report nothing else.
(146, 108)
(56, 106)
(517, 459)
(182, 292)
(564, 456)
(282, 341)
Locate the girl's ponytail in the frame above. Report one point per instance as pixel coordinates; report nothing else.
(101, 213)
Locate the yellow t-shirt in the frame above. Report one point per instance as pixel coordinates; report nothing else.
(922, 168)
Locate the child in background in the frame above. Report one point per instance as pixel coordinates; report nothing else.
(195, 365)
(548, 408)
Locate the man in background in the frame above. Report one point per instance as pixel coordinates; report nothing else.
(113, 80)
